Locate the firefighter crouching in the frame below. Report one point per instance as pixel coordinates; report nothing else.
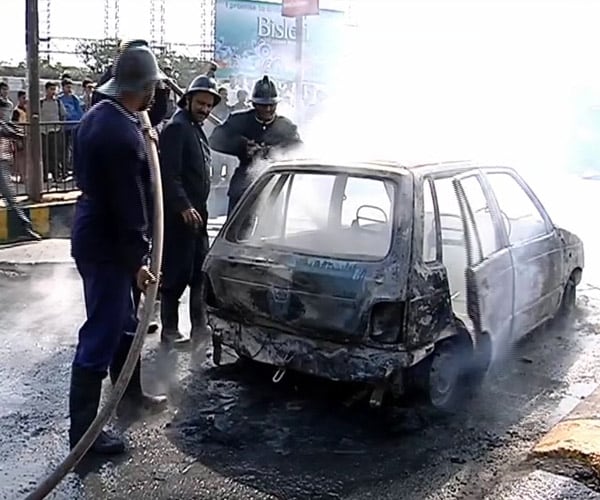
(253, 134)
(110, 238)
(185, 166)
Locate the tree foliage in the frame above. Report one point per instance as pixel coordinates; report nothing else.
(47, 71)
(97, 55)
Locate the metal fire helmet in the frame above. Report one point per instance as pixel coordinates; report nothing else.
(202, 83)
(134, 70)
(265, 92)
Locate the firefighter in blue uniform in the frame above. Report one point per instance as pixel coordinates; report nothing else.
(252, 134)
(157, 113)
(185, 167)
(110, 237)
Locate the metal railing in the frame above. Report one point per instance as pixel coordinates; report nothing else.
(57, 165)
(56, 159)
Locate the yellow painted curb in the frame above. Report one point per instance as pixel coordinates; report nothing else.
(40, 219)
(577, 439)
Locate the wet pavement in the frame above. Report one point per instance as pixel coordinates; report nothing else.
(230, 432)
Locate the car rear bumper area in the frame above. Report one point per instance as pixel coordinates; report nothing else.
(350, 363)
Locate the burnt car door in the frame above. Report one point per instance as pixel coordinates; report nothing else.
(302, 251)
(489, 273)
(536, 248)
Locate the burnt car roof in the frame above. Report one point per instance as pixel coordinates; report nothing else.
(418, 168)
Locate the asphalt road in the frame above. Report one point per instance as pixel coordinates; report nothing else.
(229, 432)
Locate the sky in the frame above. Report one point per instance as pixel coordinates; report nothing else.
(501, 71)
(68, 18)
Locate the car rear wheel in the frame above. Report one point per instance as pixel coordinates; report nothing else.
(449, 377)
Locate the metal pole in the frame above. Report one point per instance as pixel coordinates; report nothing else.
(34, 166)
(299, 66)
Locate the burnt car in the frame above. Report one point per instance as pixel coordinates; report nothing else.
(396, 276)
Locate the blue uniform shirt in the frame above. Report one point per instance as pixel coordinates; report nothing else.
(113, 214)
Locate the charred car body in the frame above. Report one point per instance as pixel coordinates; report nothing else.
(395, 276)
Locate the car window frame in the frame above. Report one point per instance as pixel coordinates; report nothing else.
(342, 174)
(498, 224)
(429, 180)
(499, 228)
(550, 227)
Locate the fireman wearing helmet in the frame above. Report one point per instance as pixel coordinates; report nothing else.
(110, 238)
(253, 134)
(160, 104)
(185, 165)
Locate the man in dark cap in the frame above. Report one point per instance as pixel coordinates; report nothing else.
(185, 166)
(110, 237)
(252, 134)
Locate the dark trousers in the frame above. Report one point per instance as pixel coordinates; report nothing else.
(8, 193)
(110, 314)
(184, 251)
(53, 154)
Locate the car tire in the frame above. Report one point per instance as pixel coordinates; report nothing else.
(450, 377)
(480, 363)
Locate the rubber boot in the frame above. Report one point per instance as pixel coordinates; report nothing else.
(84, 398)
(154, 322)
(134, 392)
(198, 317)
(169, 317)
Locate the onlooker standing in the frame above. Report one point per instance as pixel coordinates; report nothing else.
(222, 110)
(52, 112)
(242, 101)
(20, 116)
(74, 112)
(6, 105)
(88, 91)
(20, 111)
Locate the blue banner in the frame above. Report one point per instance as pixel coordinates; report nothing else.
(253, 38)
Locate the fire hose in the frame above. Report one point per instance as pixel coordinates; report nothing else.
(87, 440)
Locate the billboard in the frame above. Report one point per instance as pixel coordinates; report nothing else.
(253, 38)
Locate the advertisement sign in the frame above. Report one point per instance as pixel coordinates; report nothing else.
(253, 39)
(297, 8)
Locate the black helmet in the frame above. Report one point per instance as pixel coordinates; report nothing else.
(134, 69)
(202, 83)
(265, 92)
